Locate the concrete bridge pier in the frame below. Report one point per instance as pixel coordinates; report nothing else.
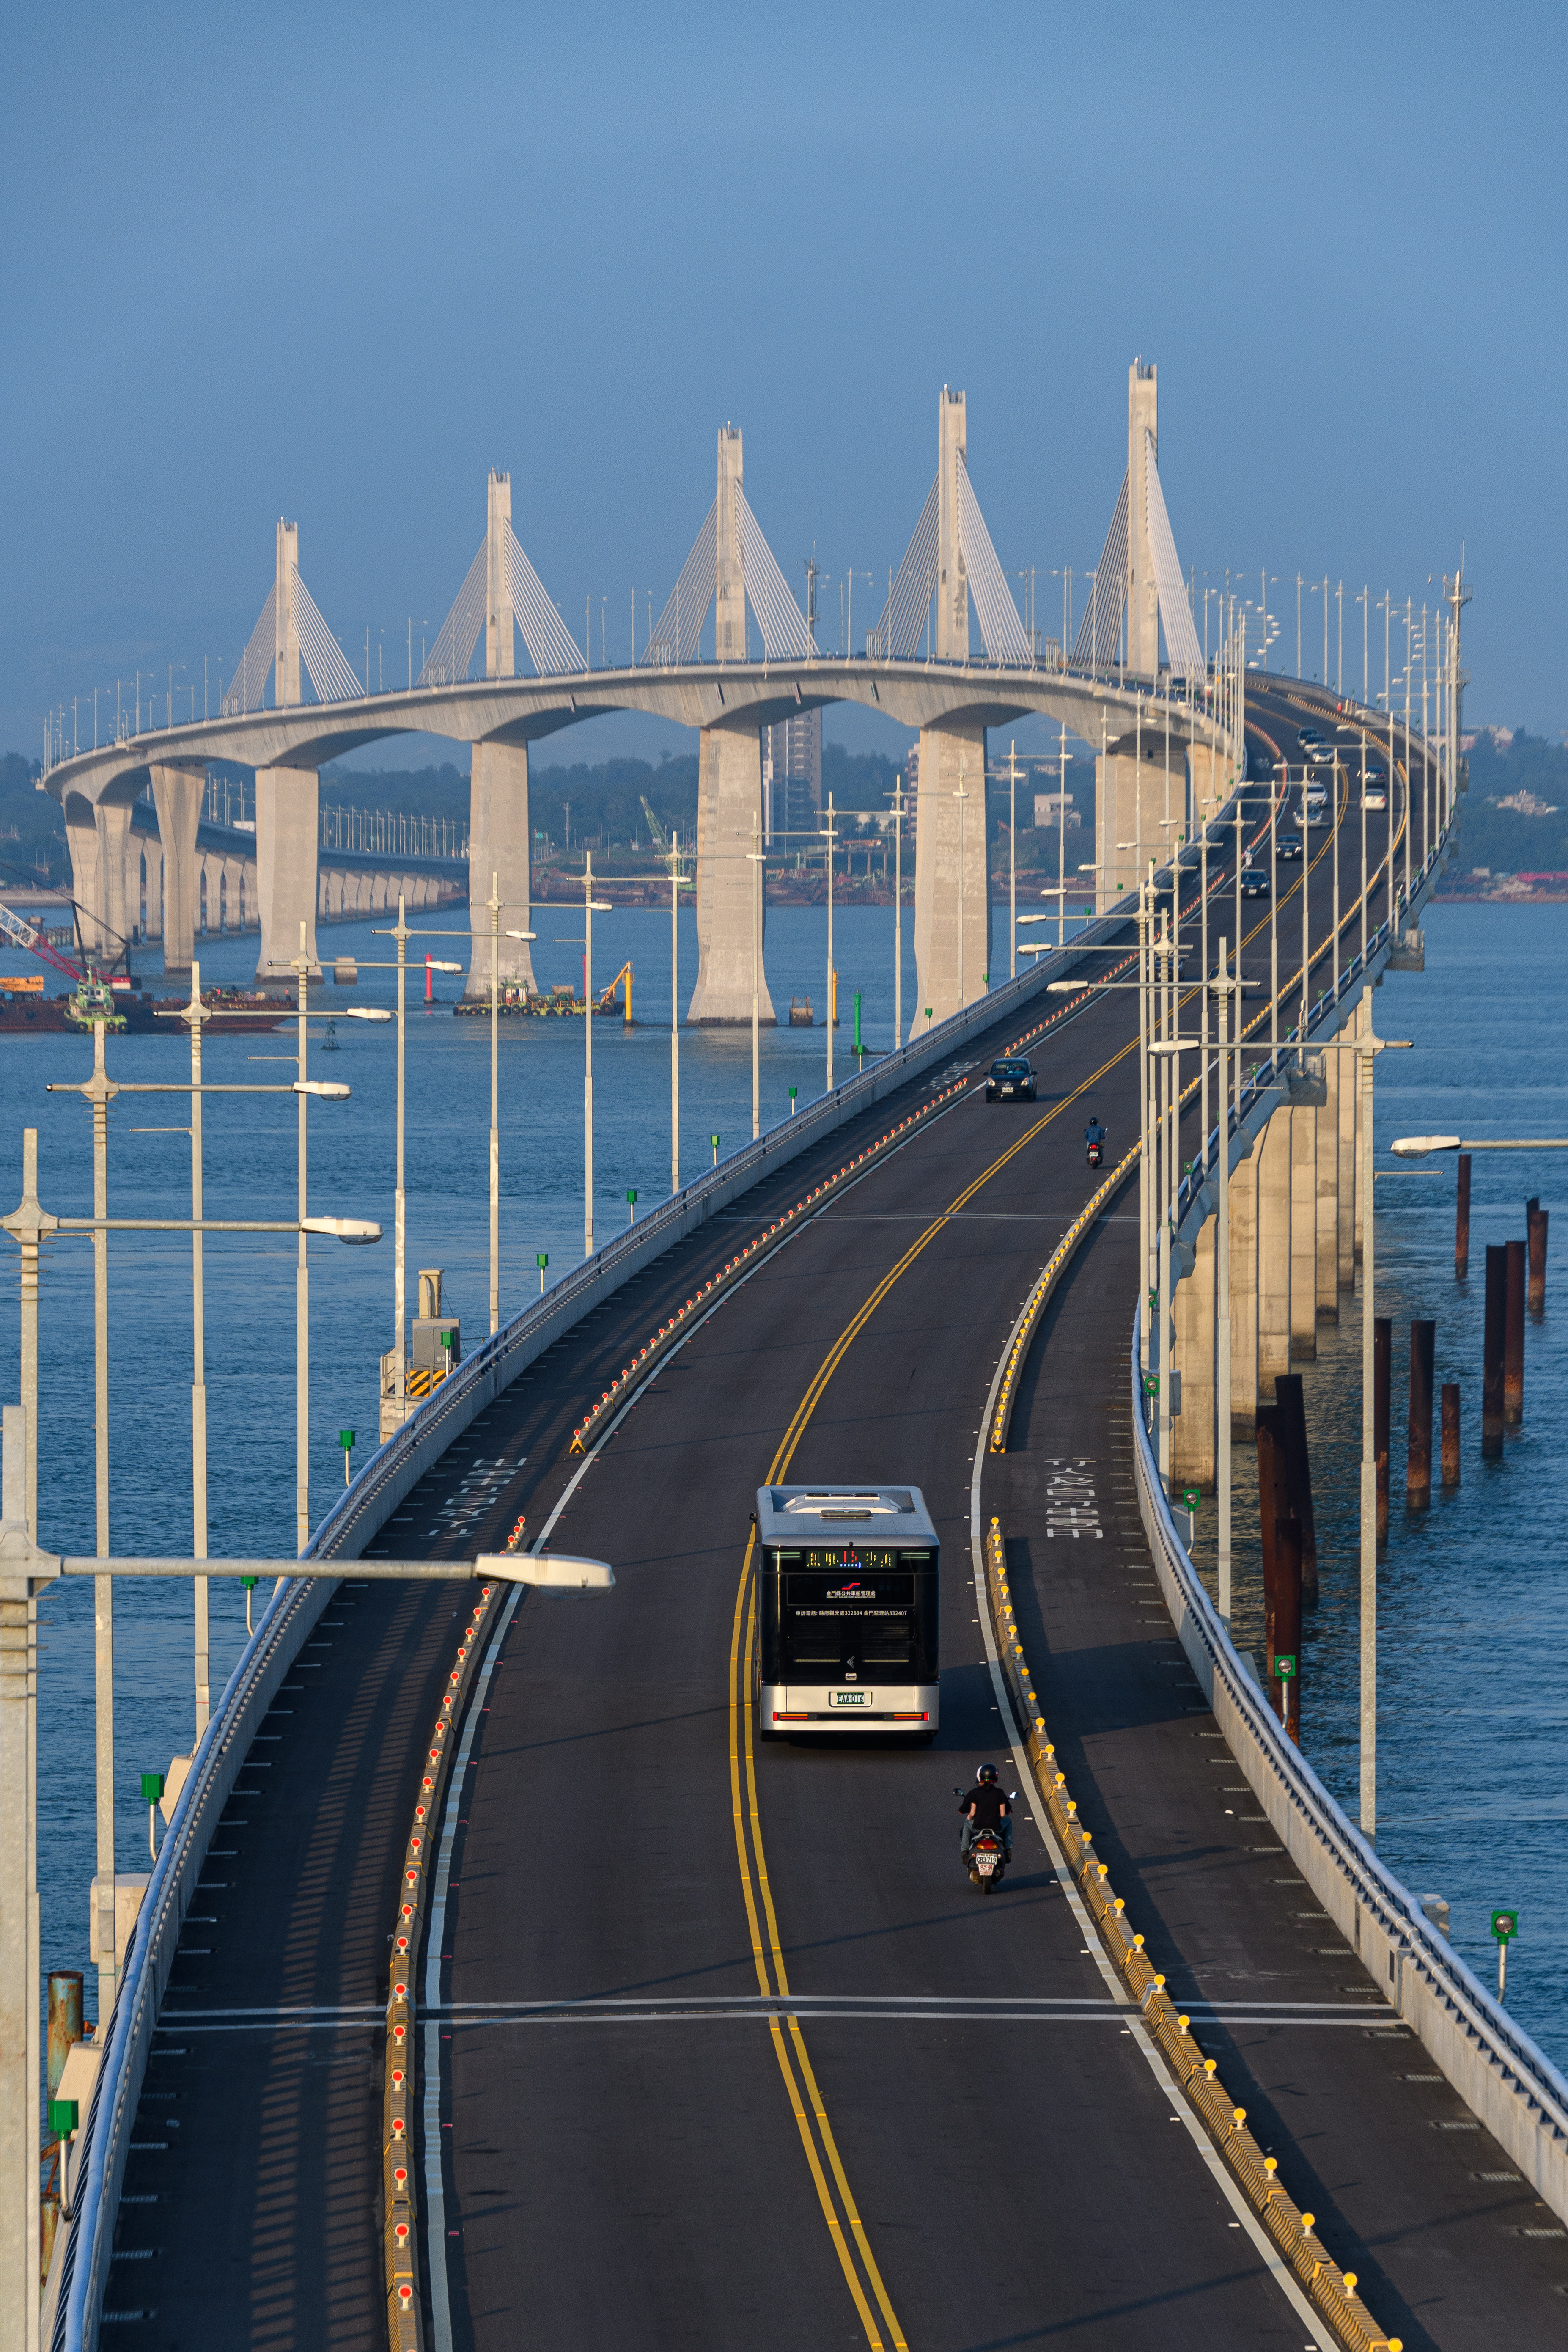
(177, 797)
(729, 827)
(952, 869)
(1193, 1451)
(1326, 1269)
(146, 884)
(498, 844)
(1134, 795)
(1206, 776)
(1244, 1188)
(1304, 1233)
(1273, 1253)
(287, 832)
(1345, 1120)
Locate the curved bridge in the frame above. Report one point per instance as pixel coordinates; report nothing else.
(1166, 738)
(707, 2039)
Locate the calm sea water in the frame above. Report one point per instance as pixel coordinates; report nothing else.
(250, 1172)
(1472, 1639)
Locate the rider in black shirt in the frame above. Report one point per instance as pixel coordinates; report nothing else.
(984, 1807)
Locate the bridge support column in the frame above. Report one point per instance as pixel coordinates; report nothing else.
(146, 868)
(1326, 1256)
(1133, 796)
(1303, 1233)
(1244, 1296)
(177, 797)
(287, 830)
(498, 844)
(1346, 1073)
(952, 867)
(1273, 1253)
(81, 840)
(1206, 776)
(1193, 1447)
(114, 902)
(729, 827)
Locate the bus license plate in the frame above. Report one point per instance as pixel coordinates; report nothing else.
(849, 1698)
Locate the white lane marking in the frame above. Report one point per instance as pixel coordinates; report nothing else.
(436, 1936)
(1209, 2155)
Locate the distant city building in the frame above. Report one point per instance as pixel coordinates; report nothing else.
(911, 789)
(1048, 808)
(792, 775)
(1527, 805)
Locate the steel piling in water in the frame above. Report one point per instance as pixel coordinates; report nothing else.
(1491, 1352)
(1535, 1226)
(1462, 1220)
(1418, 1458)
(1382, 1354)
(1292, 1437)
(1450, 1432)
(1513, 1336)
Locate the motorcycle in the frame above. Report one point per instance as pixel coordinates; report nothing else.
(987, 1859)
(1096, 1155)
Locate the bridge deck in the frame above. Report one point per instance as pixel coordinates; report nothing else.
(632, 2167)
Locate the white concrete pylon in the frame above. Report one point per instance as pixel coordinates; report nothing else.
(286, 619)
(952, 579)
(500, 637)
(730, 608)
(1142, 583)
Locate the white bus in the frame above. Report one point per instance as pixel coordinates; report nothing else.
(847, 1608)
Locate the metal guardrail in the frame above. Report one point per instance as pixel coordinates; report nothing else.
(1496, 2068)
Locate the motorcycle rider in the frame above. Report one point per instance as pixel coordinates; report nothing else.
(984, 1807)
(1094, 1134)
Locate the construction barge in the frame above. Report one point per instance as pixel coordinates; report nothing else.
(558, 1003)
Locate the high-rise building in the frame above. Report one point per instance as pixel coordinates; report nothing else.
(792, 776)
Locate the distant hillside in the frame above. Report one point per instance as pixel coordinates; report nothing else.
(31, 827)
(1508, 840)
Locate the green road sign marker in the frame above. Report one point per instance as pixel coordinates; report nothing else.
(1505, 1926)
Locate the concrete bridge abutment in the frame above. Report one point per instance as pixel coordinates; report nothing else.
(287, 832)
(498, 844)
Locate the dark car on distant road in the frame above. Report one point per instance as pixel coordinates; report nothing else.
(1011, 1080)
(1288, 845)
(1254, 882)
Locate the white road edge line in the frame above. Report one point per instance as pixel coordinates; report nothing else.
(436, 1936)
(1176, 2103)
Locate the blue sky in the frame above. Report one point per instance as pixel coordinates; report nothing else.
(334, 263)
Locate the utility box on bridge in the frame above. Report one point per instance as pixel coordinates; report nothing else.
(437, 1338)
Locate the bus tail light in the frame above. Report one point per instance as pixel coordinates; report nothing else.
(797, 1716)
(913, 1715)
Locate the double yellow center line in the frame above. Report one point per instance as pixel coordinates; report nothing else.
(845, 2228)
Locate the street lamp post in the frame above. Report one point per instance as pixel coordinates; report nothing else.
(830, 834)
(897, 912)
(758, 859)
(590, 906)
